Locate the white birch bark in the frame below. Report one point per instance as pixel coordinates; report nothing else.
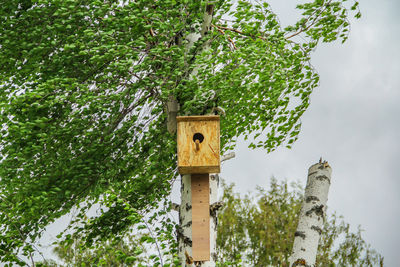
(312, 216)
(214, 207)
(185, 209)
(185, 221)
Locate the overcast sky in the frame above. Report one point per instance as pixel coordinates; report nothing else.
(353, 122)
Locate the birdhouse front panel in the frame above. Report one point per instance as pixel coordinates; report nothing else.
(198, 144)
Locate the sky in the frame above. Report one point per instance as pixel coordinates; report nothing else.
(353, 122)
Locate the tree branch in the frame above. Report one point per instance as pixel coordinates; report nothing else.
(229, 38)
(312, 24)
(237, 31)
(228, 156)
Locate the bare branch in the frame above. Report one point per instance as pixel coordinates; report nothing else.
(228, 156)
(175, 207)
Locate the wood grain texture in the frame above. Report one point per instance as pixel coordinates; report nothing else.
(206, 159)
(200, 187)
(198, 118)
(198, 169)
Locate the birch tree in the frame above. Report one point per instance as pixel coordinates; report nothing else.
(254, 230)
(185, 208)
(84, 91)
(312, 215)
(258, 229)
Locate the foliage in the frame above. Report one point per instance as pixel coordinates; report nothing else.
(134, 249)
(108, 254)
(83, 91)
(151, 242)
(259, 231)
(252, 231)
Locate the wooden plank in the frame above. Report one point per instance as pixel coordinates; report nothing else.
(197, 118)
(200, 217)
(199, 169)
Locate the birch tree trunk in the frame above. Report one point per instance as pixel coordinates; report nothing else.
(185, 222)
(312, 216)
(185, 208)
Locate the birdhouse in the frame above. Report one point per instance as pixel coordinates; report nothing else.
(198, 144)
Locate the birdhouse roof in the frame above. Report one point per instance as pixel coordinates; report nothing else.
(197, 118)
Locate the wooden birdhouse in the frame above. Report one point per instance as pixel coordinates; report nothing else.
(198, 144)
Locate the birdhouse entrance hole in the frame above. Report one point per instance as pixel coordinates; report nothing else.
(198, 138)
